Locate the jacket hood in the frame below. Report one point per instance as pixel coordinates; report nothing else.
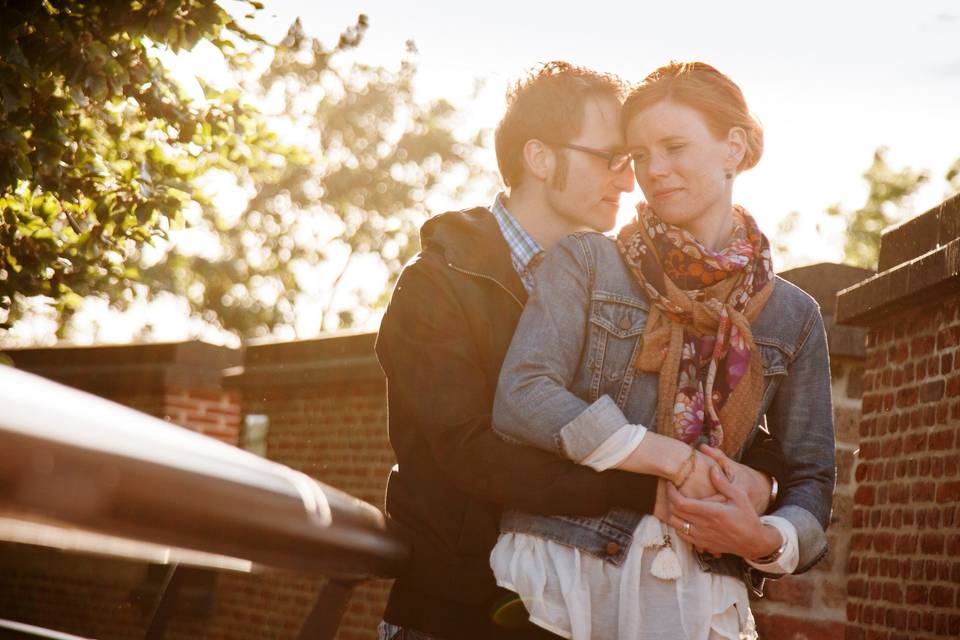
(471, 240)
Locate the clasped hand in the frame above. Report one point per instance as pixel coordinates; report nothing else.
(721, 500)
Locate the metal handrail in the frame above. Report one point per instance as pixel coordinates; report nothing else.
(71, 460)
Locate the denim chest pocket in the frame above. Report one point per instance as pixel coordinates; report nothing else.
(616, 329)
(775, 359)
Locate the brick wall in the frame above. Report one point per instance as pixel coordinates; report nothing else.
(812, 606)
(325, 402)
(904, 563)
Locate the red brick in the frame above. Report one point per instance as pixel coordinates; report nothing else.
(914, 442)
(917, 594)
(922, 346)
(936, 467)
(794, 628)
(793, 590)
(943, 413)
(951, 464)
(888, 401)
(948, 491)
(899, 352)
(906, 543)
(932, 391)
(883, 542)
(867, 495)
(899, 493)
(942, 440)
(941, 596)
(892, 593)
(853, 564)
(891, 447)
(922, 491)
(906, 397)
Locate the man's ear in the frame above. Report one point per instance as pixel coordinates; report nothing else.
(737, 145)
(538, 158)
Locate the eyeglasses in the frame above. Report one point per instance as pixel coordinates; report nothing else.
(617, 161)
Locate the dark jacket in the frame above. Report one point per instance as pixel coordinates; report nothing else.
(441, 344)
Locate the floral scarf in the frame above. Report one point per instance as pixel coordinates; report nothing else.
(698, 334)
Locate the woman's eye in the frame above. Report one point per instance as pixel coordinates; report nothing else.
(675, 147)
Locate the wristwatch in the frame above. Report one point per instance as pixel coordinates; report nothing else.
(774, 490)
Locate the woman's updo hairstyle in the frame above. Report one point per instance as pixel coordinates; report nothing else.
(701, 87)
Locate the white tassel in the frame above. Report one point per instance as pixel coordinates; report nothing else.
(666, 565)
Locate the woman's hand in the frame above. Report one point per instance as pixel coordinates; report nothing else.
(728, 526)
(698, 484)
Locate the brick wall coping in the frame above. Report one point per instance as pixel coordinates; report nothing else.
(919, 235)
(919, 260)
(340, 357)
(822, 281)
(137, 367)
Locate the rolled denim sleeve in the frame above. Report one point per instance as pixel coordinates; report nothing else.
(800, 418)
(533, 402)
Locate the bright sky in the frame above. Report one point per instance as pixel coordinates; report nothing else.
(831, 81)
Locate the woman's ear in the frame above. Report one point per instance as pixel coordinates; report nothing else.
(538, 158)
(737, 148)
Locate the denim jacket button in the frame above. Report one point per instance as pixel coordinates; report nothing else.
(612, 548)
(625, 323)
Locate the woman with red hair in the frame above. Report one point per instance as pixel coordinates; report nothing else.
(665, 351)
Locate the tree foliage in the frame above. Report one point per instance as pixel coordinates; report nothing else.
(97, 144)
(888, 192)
(102, 156)
(354, 184)
(953, 179)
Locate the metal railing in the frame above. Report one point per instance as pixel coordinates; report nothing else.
(83, 473)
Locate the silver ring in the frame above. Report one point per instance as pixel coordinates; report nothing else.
(686, 528)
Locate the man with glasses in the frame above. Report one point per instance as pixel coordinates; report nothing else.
(453, 312)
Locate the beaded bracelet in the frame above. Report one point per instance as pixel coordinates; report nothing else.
(685, 475)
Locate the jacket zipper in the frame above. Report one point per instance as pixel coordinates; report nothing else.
(491, 279)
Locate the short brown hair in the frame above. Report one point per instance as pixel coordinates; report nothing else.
(548, 105)
(699, 86)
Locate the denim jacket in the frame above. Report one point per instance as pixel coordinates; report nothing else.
(567, 384)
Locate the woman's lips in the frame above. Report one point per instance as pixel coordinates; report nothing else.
(666, 193)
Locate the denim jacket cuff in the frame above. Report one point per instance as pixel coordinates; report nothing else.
(811, 538)
(595, 424)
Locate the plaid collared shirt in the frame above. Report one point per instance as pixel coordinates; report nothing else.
(525, 252)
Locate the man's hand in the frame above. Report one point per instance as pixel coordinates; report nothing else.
(731, 526)
(755, 484)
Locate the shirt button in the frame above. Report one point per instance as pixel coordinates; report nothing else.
(625, 324)
(612, 548)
